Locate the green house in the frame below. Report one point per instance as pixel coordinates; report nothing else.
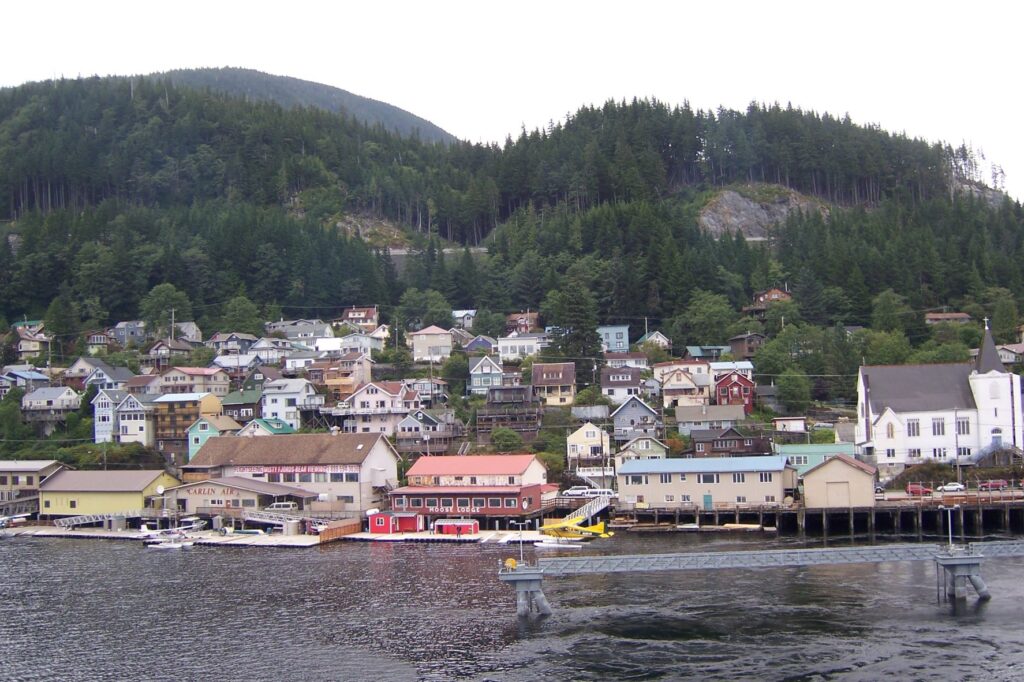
(206, 427)
(807, 456)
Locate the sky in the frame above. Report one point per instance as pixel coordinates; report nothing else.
(483, 70)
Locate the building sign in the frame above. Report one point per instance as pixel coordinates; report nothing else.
(212, 492)
(455, 510)
(298, 469)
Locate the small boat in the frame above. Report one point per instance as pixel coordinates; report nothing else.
(171, 544)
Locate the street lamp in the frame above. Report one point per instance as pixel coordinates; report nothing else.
(949, 521)
(520, 524)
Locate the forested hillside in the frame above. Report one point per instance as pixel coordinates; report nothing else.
(115, 185)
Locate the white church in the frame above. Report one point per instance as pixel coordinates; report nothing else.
(908, 414)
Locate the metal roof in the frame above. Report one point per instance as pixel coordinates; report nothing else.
(100, 481)
(702, 465)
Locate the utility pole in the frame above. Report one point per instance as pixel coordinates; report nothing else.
(170, 332)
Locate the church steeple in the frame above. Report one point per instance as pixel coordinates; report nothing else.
(988, 357)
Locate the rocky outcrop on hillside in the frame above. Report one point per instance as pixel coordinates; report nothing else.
(754, 209)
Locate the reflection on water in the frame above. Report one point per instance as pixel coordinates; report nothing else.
(87, 610)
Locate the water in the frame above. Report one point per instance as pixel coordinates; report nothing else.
(99, 610)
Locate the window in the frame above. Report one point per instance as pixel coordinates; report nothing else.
(635, 479)
(273, 478)
(478, 502)
(305, 478)
(963, 452)
(700, 447)
(352, 477)
(913, 427)
(511, 480)
(416, 502)
(769, 498)
(203, 426)
(682, 478)
(320, 478)
(938, 426)
(46, 504)
(939, 453)
(914, 453)
(707, 478)
(670, 498)
(73, 504)
(347, 499)
(462, 502)
(963, 426)
(684, 498)
(216, 503)
(890, 453)
(741, 498)
(337, 478)
(431, 501)
(767, 477)
(287, 478)
(249, 503)
(890, 431)
(798, 460)
(666, 478)
(739, 478)
(446, 501)
(511, 503)
(494, 502)
(379, 521)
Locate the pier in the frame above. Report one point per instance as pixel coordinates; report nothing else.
(960, 565)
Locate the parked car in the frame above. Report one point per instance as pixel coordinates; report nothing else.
(994, 484)
(953, 487)
(600, 492)
(577, 491)
(918, 489)
(282, 507)
(879, 488)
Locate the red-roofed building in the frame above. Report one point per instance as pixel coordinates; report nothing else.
(366, 318)
(479, 486)
(195, 380)
(376, 407)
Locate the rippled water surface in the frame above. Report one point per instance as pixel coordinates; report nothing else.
(100, 610)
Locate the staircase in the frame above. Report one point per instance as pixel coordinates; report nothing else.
(73, 521)
(464, 448)
(591, 509)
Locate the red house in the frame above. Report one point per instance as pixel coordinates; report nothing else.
(456, 526)
(388, 522)
(735, 389)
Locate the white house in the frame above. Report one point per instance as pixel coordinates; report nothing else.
(286, 398)
(134, 420)
(104, 425)
(907, 414)
(519, 346)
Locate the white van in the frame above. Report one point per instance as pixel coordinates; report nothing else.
(282, 507)
(599, 492)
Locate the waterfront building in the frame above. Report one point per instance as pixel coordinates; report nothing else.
(706, 483)
(233, 496)
(908, 414)
(839, 482)
(729, 442)
(20, 478)
(499, 488)
(805, 456)
(77, 493)
(390, 522)
(349, 472)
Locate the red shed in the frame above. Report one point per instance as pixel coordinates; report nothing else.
(388, 522)
(456, 526)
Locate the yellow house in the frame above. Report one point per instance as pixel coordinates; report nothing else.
(840, 482)
(77, 493)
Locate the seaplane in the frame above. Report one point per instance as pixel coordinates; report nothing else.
(8, 521)
(189, 524)
(572, 529)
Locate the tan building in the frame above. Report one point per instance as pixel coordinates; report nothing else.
(21, 477)
(349, 472)
(233, 496)
(77, 493)
(840, 482)
(708, 483)
(432, 344)
(554, 383)
(195, 380)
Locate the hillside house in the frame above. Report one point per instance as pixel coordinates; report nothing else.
(287, 399)
(104, 421)
(729, 442)
(376, 407)
(265, 427)
(209, 426)
(522, 323)
(745, 346)
(366, 318)
(554, 383)
(129, 333)
(45, 408)
(614, 338)
(708, 417)
(135, 420)
(463, 319)
(762, 299)
(518, 346)
(424, 432)
(195, 380)
(484, 372)
(173, 413)
(655, 338)
(509, 407)
(618, 384)
(625, 359)
(431, 344)
(734, 388)
(589, 455)
(636, 418)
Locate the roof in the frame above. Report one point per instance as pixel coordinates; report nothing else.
(946, 316)
(252, 485)
(455, 490)
(850, 461)
(220, 422)
(142, 380)
(244, 397)
(48, 393)
(28, 375)
(918, 388)
(476, 362)
(630, 400)
(26, 465)
(712, 434)
(100, 481)
(790, 449)
(114, 396)
(609, 376)
(198, 371)
(463, 313)
(731, 366)
(553, 373)
(273, 425)
(180, 397)
(484, 465)
(703, 465)
(293, 448)
(432, 329)
(710, 413)
(610, 355)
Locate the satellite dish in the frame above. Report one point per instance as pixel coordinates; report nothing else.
(159, 490)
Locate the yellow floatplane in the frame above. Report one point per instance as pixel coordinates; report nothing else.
(572, 529)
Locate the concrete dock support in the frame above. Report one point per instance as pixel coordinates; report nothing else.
(529, 595)
(961, 570)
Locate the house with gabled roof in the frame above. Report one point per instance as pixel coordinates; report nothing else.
(237, 366)
(104, 420)
(77, 493)
(301, 330)
(522, 322)
(195, 380)
(428, 432)
(705, 353)
(349, 472)
(635, 418)
(680, 388)
(481, 344)
(463, 319)
(641, 447)
(509, 407)
(209, 426)
(20, 480)
(626, 359)
(97, 341)
(287, 399)
(271, 350)
(554, 383)
(484, 371)
(728, 442)
(231, 343)
(762, 299)
(839, 482)
(691, 418)
(105, 376)
(618, 384)
(129, 332)
(907, 414)
(655, 338)
(734, 388)
(589, 454)
(31, 343)
(460, 337)
(265, 427)
(165, 353)
(366, 318)
(375, 407)
(143, 384)
(135, 421)
(47, 407)
(745, 346)
(431, 344)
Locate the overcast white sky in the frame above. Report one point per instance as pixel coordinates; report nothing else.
(482, 70)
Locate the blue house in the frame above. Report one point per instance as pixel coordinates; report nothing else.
(635, 418)
(808, 456)
(614, 338)
(207, 427)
